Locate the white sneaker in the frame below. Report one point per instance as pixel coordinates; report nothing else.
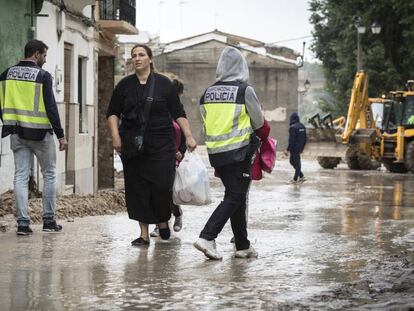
(155, 233)
(208, 248)
(246, 253)
(178, 223)
(292, 182)
(302, 179)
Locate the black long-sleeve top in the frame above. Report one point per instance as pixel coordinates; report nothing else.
(159, 133)
(50, 106)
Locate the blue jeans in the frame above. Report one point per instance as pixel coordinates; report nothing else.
(45, 152)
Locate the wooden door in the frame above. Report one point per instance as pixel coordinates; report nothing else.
(67, 98)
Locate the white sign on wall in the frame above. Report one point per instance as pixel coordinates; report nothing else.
(277, 115)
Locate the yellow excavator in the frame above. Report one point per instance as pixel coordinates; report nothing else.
(376, 130)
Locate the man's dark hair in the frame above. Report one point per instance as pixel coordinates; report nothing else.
(34, 46)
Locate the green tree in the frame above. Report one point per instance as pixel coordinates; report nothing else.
(388, 57)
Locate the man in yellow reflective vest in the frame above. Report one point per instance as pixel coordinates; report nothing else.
(231, 113)
(29, 114)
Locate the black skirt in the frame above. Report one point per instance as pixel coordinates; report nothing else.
(148, 187)
(150, 176)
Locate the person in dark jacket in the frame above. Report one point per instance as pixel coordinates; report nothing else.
(149, 176)
(30, 116)
(297, 142)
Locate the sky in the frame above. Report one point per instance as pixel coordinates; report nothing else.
(283, 22)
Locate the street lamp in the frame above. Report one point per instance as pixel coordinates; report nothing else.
(375, 28)
(302, 92)
(361, 29)
(306, 87)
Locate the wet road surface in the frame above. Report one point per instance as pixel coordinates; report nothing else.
(341, 240)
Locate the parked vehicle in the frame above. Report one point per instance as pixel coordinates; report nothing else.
(376, 130)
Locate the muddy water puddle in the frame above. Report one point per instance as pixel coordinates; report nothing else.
(342, 240)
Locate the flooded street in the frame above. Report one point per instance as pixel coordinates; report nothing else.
(342, 240)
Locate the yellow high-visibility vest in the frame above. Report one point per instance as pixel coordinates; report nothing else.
(21, 99)
(227, 125)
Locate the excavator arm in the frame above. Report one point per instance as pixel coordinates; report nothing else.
(358, 107)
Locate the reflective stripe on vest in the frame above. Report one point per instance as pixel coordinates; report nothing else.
(2, 88)
(22, 99)
(226, 122)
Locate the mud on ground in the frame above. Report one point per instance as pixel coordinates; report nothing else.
(108, 201)
(341, 241)
(384, 285)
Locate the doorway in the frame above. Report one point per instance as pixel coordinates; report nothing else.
(67, 98)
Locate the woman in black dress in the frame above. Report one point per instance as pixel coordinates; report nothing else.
(149, 176)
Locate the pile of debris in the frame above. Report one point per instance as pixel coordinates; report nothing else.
(108, 201)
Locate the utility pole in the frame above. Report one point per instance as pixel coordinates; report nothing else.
(182, 2)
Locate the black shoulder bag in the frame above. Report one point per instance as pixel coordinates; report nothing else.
(133, 138)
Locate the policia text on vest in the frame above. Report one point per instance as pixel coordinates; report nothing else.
(226, 121)
(22, 102)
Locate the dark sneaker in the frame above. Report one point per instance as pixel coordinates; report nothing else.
(140, 242)
(165, 233)
(24, 230)
(52, 227)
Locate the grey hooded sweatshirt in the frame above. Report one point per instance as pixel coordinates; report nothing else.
(232, 67)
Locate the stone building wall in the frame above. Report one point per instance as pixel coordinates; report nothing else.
(275, 82)
(105, 151)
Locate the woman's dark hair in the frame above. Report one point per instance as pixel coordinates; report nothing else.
(149, 52)
(34, 46)
(178, 85)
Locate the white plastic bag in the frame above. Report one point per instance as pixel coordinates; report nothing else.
(191, 184)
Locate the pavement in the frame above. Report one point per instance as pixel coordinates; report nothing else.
(342, 240)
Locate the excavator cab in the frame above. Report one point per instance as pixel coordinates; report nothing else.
(377, 109)
(408, 115)
(393, 112)
(397, 147)
(398, 112)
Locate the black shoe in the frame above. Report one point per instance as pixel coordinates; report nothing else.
(165, 233)
(140, 242)
(51, 227)
(24, 230)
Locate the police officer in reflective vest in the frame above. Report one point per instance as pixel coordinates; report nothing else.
(29, 114)
(231, 112)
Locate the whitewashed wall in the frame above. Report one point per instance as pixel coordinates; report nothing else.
(6, 165)
(81, 145)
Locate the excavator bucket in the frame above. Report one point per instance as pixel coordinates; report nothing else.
(323, 142)
(324, 137)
